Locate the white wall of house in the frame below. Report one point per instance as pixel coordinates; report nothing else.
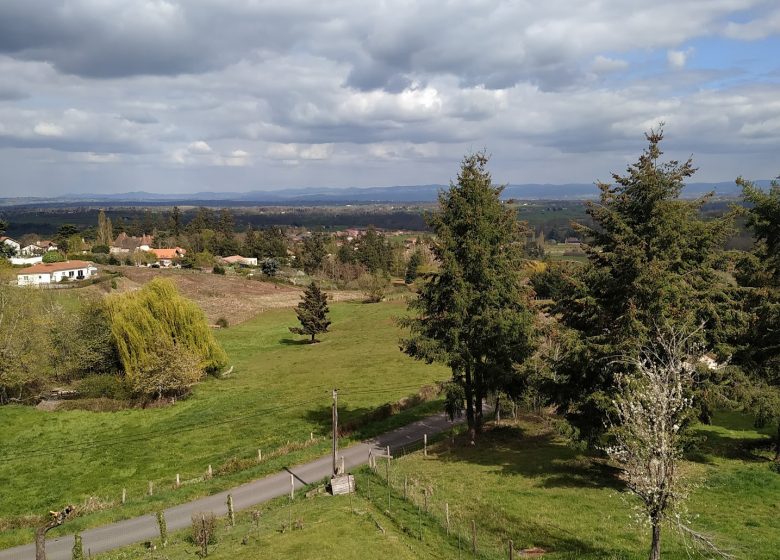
(30, 250)
(26, 260)
(54, 277)
(13, 244)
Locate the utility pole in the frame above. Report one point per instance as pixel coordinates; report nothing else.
(335, 427)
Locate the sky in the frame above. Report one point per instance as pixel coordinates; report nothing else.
(180, 96)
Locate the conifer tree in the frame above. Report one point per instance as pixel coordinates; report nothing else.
(314, 252)
(651, 261)
(312, 313)
(473, 314)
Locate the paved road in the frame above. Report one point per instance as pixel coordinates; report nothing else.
(144, 528)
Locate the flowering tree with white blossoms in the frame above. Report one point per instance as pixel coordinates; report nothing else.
(653, 404)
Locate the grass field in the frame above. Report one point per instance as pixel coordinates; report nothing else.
(279, 391)
(520, 483)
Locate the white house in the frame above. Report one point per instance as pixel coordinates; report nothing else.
(238, 259)
(31, 250)
(25, 261)
(50, 273)
(14, 245)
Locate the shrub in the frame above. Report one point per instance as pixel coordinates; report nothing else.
(203, 531)
(101, 249)
(113, 261)
(218, 269)
(103, 386)
(222, 323)
(53, 257)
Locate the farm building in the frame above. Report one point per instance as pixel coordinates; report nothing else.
(166, 257)
(51, 273)
(238, 259)
(13, 245)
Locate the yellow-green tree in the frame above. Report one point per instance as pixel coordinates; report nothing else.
(163, 340)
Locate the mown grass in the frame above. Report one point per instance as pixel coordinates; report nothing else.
(279, 391)
(522, 482)
(340, 527)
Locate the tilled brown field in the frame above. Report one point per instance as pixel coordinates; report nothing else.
(235, 298)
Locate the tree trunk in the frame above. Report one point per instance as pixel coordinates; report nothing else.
(777, 443)
(655, 547)
(312, 339)
(40, 543)
(469, 390)
(479, 396)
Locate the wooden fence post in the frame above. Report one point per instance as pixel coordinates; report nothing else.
(447, 515)
(231, 513)
(511, 550)
(474, 536)
(425, 445)
(259, 455)
(292, 487)
(124, 495)
(178, 480)
(210, 472)
(151, 488)
(405, 484)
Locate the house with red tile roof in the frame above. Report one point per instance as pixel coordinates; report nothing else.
(51, 273)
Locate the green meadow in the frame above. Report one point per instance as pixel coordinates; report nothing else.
(276, 398)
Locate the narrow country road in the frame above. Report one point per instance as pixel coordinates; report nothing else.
(144, 528)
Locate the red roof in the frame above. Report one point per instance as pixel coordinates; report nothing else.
(168, 253)
(48, 268)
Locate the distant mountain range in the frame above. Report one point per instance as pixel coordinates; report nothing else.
(351, 195)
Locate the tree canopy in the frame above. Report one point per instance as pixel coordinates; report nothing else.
(473, 314)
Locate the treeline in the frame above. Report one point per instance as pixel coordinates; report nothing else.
(136, 346)
(656, 263)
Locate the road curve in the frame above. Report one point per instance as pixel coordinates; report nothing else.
(144, 528)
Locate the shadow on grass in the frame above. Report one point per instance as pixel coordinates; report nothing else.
(295, 341)
(719, 444)
(540, 456)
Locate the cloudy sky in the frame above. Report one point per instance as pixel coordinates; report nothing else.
(189, 95)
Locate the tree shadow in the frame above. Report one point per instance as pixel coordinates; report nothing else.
(542, 456)
(294, 341)
(719, 444)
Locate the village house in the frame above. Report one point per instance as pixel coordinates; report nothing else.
(14, 245)
(51, 273)
(31, 250)
(46, 245)
(239, 260)
(125, 244)
(166, 257)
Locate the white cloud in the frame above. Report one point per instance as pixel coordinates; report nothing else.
(199, 147)
(678, 59)
(48, 129)
(603, 64)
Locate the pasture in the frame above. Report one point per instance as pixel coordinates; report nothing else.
(277, 397)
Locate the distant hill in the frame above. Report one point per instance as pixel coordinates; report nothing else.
(353, 195)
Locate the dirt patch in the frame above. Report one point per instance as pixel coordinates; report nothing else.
(235, 298)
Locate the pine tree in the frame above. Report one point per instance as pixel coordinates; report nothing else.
(473, 314)
(312, 313)
(412, 267)
(651, 261)
(314, 252)
(175, 222)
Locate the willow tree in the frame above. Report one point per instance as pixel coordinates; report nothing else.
(652, 259)
(473, 314)
(153, 329)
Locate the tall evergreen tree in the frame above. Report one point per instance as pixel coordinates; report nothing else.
(312, 312)
(473, 314)
(314, 252)
(175, 222)
(761, 354)
(651, 262)
(3, 227)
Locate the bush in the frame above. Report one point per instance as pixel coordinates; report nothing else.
(101, 249)
(113, 261)
(218, 269)
(104, 386)
(53, 257)
(222, 323)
